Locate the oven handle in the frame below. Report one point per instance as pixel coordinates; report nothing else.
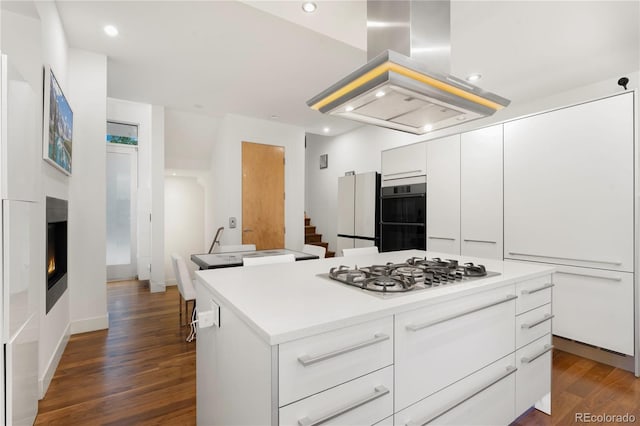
(403, 223)
(405, 195)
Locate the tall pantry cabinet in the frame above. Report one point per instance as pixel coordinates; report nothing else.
(464, 193)
(20, 265)
(569, 201)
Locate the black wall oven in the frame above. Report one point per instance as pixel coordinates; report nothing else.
(403, 217)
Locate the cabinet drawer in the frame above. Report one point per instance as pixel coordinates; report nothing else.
(486, 397)
(533, 378)
(364, 401)
(533, 293)
(315, 363)
(433, 344)
(532, 325)
(595, 307)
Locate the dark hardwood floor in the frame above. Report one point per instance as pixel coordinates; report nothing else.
(141, 371)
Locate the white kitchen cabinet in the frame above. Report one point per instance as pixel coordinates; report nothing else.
(532, 325)
(533, 378)
(485, 397)
(21, 145)
(403, 162)
(310, 365)
(481, 193)
(594, 306)
(365, 204)
(432, 344)
(21, 357)
(568, 186)
(346, 205)
(443, 195)
(363, 401)
(19, 263)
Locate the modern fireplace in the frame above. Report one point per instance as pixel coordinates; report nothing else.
(56, 262)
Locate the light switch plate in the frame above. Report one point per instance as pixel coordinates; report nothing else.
(232, 222)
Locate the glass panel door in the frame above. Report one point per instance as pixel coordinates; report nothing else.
(122, 183)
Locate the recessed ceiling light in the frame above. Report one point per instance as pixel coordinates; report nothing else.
(380, 94)
(309, 6)
(174, 174)
(326, 130)
(428, 127)
(474, 77)
(110, 30)
(461, 118)
(349, 108)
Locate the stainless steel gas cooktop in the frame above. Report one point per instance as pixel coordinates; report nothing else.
(413, 275)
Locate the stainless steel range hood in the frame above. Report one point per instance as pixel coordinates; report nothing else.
(413, 94)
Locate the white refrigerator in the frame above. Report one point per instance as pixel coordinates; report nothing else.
(22, 269)
(358, 207)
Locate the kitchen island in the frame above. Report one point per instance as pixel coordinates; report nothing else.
(291, 346)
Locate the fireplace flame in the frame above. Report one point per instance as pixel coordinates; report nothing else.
(52, 266)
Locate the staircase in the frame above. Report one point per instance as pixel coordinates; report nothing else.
(311, 237)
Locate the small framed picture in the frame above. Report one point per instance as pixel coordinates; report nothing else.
(324, 161)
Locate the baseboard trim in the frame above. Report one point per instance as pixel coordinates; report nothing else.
(90, 324)
(614, 359)
(45, 380)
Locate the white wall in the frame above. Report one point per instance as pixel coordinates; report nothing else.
(360, 149)
(224, 187)
(183, 221)
(157, 283)
(29, 43)
(87, 193)
(187, 133)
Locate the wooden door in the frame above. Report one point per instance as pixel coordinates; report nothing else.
(263, 195)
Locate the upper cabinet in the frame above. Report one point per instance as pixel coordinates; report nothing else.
(20, 146)
(568, 185)
(481, 192)
(404, 162)
(443, 195)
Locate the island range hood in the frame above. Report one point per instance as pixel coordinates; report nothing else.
(405, 85)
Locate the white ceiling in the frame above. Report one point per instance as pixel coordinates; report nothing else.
(264, 58)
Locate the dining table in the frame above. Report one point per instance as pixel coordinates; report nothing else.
(232, 259)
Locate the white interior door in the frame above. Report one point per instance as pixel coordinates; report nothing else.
(122, 184)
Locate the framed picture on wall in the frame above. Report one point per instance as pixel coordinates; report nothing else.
(57, 123)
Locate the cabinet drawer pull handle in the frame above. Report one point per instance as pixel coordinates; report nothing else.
(528, 326)
(590, 276)
(441, 238)
(378, 392)
(535, 290)
(416, 327)
(527, 360)
(307, 360)
(510, 370)
(480, 241)
(606, 262)
(402, 173)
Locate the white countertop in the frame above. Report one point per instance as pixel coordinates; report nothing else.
(283, 302)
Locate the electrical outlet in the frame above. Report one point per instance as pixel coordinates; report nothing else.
(206, 319)
(232, 222)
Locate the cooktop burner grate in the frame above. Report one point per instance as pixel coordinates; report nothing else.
(414, 274)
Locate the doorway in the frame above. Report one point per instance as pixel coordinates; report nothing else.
(263, 195)
(122, 185)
